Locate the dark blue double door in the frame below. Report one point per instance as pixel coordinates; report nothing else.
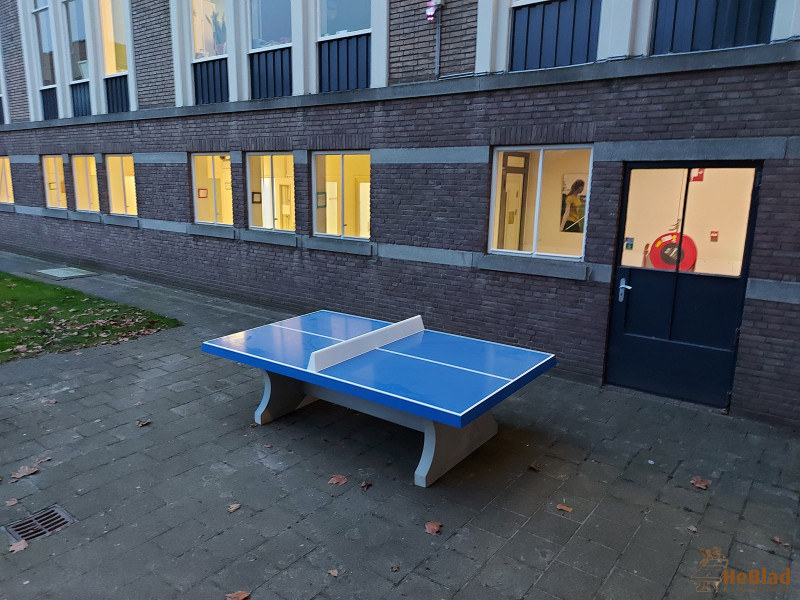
(680, 280)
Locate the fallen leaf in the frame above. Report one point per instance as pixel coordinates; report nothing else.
(395, 569)
(365, 485)
(534, 466)
(267, 445)
(700, 483)
(21, 348)
(142, 422)
(433, 527)
(17, 546)
(338, 479)
(41, 459)
(48, 401)
(24, 471)
(692, 528)
(138, 403)
(78, 353)
(334, 572)
(564, 507)
(237, 596)
(11, 502)
(234, 507)
(780, 542)
(253, 425)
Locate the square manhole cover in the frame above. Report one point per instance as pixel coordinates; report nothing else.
(65, 273)
(42, 523)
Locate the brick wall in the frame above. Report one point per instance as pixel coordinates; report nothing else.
(459, 33)
(164, 192)
(152, 46)
(16, 83)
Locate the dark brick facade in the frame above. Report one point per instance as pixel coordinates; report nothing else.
(459, 33)
(13, 65)
(152, 46)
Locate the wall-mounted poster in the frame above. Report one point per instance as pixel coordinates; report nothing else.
(256, 198)
(573, 202)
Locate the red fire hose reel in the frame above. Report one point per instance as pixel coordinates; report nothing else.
(665, 251)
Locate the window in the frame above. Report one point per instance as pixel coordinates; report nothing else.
(344, 45)
(121, 185)
(271, 52)
(213, 193)
(554, 34)
(341, 194)
(208, 28)
(84, 171)
(79, 62)
(711, 24)
(47, 72)
(54, 189)
(271, 191)
(6, 189)
(114, 32)
(539, 201)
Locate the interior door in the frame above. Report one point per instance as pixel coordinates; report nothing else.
(512, 192)
(680, 281)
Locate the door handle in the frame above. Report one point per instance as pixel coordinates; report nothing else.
(622, 288)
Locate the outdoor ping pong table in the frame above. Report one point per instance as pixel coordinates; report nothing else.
(440, 384)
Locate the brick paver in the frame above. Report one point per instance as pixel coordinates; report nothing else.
(151, 503)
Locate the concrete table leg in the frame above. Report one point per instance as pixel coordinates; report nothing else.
(281, 395)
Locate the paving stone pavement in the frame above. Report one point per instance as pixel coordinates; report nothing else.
(151, 503)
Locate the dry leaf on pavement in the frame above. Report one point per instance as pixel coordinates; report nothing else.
(142, 422)
(234, 507)
(700, 483)
(42, 459)
(692, 528)
(11, 502)
(334, 572)
(534, 467)
(395, 569)
(17, 546)
(48, 401)
(338, 479)
(433, 527)
(564, 507)
(237, 596)
(365, 485)
(780, 542)
(253, 425)
(24, 471)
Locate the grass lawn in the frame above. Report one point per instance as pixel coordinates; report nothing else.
(38, 317)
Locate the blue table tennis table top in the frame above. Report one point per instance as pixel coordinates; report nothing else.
(447, 378)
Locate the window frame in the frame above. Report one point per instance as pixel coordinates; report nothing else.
(109, 173)
(88, 182)
(249, 196)
(341, 154)
(214, 223)
(337, 36)
(59, 183)
(249, 17)
(541, 149)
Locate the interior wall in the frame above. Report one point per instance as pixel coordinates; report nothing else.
(557, 165)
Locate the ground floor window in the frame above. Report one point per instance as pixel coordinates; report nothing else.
(54, 189)
(539, 201)
(342, 194)
(6, 189)
(121, 185)
(213, 192)
(271, 185)
(84, 170)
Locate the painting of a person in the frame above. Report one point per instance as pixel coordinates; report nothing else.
(572, 218)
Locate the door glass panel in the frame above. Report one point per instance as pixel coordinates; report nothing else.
(652, 223)
(717, 211)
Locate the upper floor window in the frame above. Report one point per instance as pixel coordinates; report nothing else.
(539, 201)
(55, 191)
(344, 49)
(6, 189)
(209, 28)
(114, 33)
(79, 59)
(342, 194)
(554, 34)
(121, 184)
(710, 24)
(213, 192)
(84, 172)
(46, 62)
(271, 51)
(271, 178)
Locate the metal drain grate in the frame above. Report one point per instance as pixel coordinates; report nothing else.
(42, 523)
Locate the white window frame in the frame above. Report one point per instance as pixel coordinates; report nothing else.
(91, 55)
(250, 194)
(63, 181)
(32, 59)
(249, 30)
(99, 64)
(124, 191)
(6, 115)
(341, 154)
(493, 201)
(85, 175)
(194, 188)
